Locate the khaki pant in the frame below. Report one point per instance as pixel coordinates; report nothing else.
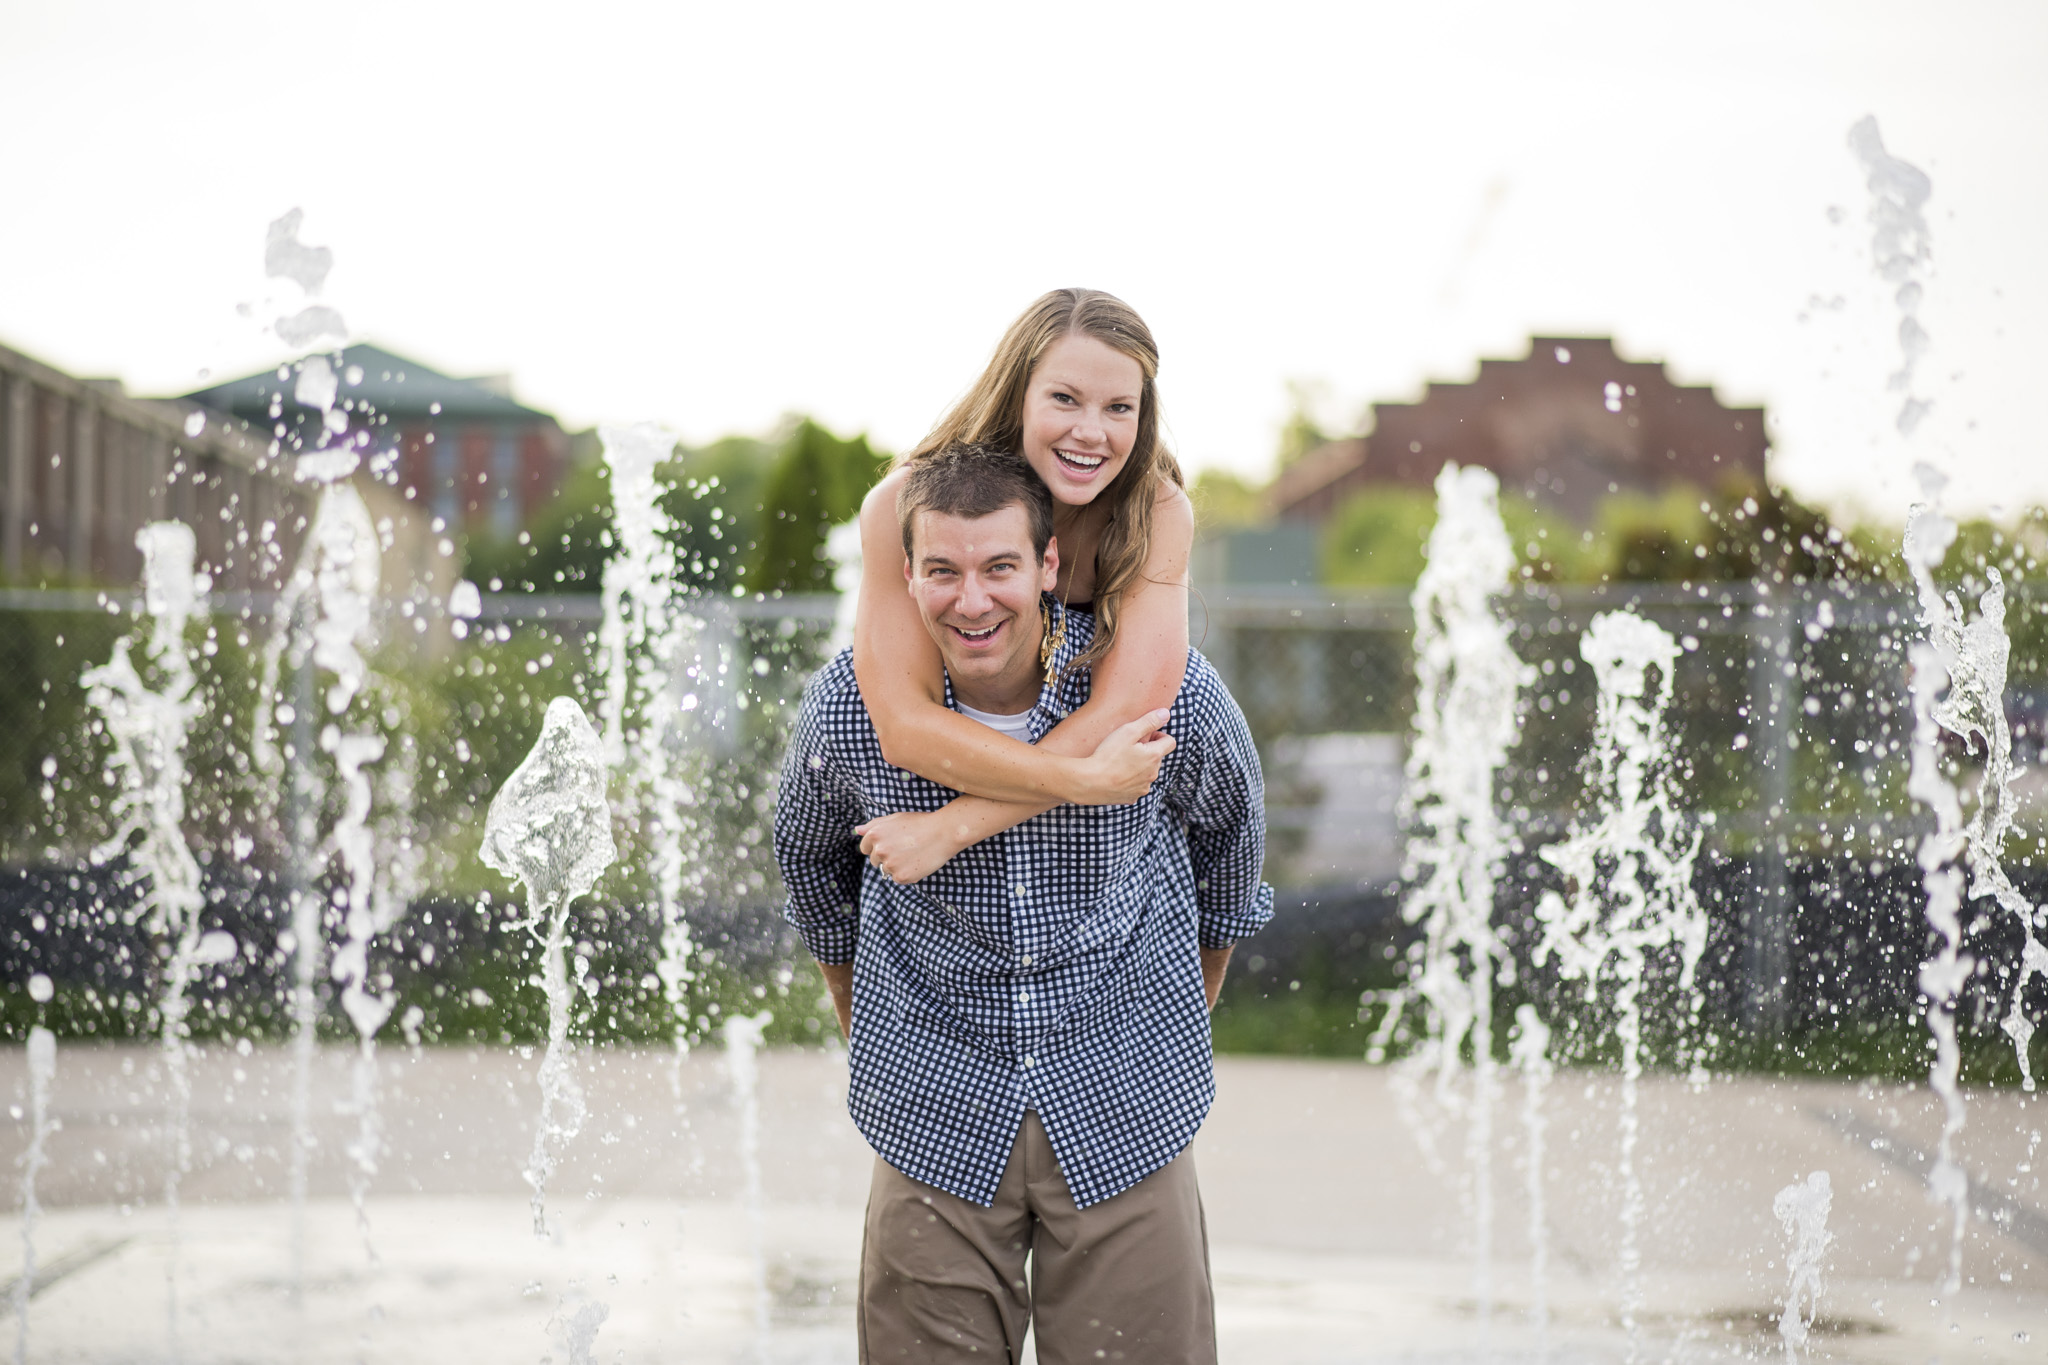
(943, 1279)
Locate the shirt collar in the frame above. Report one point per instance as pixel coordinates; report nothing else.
(1055, 703)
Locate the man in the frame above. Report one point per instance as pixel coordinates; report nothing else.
(1028, 1027)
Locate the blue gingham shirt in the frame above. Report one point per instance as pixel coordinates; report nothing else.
(1052, 967)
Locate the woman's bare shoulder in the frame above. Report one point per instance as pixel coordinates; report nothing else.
(1173, 513)
(878, 508)
(883, 494)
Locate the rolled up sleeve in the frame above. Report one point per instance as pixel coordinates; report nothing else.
(1221, 796)
(817, 806)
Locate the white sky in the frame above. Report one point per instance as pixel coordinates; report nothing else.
(711, 215)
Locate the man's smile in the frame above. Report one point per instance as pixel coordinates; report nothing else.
(978, 637)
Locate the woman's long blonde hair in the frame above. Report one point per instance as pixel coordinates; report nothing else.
(993, 412)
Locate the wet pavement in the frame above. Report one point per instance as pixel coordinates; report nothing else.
(1341, 1217)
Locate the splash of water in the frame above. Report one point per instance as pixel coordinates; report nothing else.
(326, 616)
(743, 1034)
(285, 257)
(573, 1329)
(1629, 876)
(1529, 1049)
(549, 828)
(1802, 1207)
(1975, 654)
(1953, 675)
(1467, 704)
(1900, 244)
(42, 1070)
(149, 728)
(645, 639)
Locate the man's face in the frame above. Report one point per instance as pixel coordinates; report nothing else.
(976, 584)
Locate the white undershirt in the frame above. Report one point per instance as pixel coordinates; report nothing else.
(1017, 727)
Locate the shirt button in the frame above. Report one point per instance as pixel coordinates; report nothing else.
(1030, 1062)
(1023, 997)
(1025, 960)
(1020, 890)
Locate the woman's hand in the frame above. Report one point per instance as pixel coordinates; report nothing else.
(1124, 766)
(910, 845)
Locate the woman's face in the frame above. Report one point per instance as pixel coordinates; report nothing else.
(1081, 416)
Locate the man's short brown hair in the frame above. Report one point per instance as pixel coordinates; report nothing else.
(971, 480)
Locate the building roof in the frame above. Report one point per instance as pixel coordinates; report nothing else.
(1566, 425)
(399, 388)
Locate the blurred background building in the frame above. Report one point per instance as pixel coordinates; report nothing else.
(467, 451)
(87, 464)
(1567, 426)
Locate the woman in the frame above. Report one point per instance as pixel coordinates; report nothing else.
(1071, 386)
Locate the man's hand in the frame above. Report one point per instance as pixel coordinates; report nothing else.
(1215, 961)
(839, 981)
(910, 845)
(1123, 766)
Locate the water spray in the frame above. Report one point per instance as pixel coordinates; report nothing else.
(1467, 708)
(1629, 882)
(643, 639)
(1802, 1207)
(550, 829)
(149, 728)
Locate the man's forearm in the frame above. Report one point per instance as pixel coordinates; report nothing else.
(839, 982)
(1215, 961)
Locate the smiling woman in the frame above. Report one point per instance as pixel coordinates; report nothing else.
(1071, 387)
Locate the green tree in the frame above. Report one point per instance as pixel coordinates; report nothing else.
(712, 495)
(1224, 502)
(1300, 434)
(714, 498)
(817, 481)
(1376, 537)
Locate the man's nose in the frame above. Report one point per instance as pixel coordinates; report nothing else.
(974, 596)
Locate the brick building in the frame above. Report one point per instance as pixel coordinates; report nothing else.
(467, 452)
(1566, 425)
(83, 465)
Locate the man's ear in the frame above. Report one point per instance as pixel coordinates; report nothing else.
(909, 574)
(1049, 575)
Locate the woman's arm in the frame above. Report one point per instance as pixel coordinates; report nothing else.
(1141, 674)
(902, 684)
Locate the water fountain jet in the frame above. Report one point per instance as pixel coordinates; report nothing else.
(549, 828)
(645, 637)
(149, 729)
(1467, 708)
(1629, 882)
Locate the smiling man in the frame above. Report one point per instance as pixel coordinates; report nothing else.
(1028, 1027)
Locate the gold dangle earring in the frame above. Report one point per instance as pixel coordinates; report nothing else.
(1051, 637)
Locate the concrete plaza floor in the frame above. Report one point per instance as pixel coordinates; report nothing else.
(1341, 1230)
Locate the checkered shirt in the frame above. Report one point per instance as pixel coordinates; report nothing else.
(1052, 967)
